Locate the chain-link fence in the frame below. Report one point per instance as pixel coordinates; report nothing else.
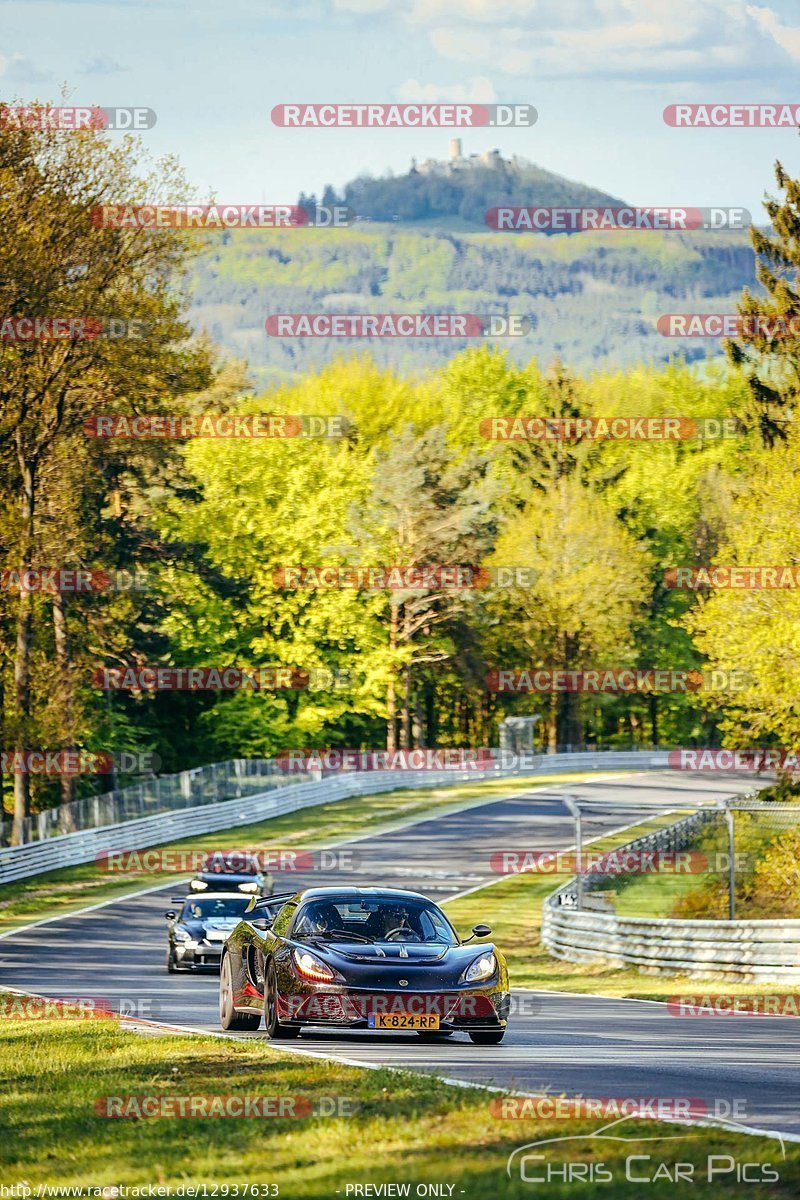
(161, 793)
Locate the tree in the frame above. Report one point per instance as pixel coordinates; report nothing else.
(588, 584)
(62, 264)
(769, 360)
(757, 631)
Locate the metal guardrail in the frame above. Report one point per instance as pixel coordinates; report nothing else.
(277, 795)
(159, 793)
(761, 950)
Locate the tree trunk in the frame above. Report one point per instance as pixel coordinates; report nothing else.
(2, 746)
(66, 697)
(391, 692)
(405, 711)
(431, 716)
(653, 700)
(552, 725)
(22, 661)
(418, 719)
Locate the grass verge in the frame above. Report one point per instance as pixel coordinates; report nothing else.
(399, 1128)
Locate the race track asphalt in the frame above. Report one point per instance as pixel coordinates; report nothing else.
(739, 1067)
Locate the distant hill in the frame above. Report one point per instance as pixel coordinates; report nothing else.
(461, 189)
(421, 245)
(593, 298)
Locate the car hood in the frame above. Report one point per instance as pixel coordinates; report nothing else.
(395, 954)
(213, 924)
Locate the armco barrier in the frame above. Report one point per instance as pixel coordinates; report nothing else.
(70, 849)
(765, 951)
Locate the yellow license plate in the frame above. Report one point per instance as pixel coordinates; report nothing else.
(403, 1021)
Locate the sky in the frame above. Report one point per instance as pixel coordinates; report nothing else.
(599, 72)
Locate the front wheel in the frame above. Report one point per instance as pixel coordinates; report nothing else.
(229, 1018)
(487, 1037)
(271, 1023)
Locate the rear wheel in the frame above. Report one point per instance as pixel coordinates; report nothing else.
(487, 1037)
(271, 1023)
(229, 1018)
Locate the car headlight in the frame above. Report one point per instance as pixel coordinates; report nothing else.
(197, 885)
(311, 967)
(248, 887)
(180, 935)
(482, 968)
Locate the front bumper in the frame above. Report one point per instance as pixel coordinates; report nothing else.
(198, 954)
(349, 1008)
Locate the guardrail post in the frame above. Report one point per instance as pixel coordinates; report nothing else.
(731, 863)
(574, 808)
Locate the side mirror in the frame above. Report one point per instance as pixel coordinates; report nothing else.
(170, 915)
(478, 931)
(262, 923)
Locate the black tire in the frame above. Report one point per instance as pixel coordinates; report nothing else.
(487, 1037)
(271, 1023)
(172, 966)
(229, 1018)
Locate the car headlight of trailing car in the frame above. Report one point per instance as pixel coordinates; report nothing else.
(482, 968)
(311, 967)
(181, 935)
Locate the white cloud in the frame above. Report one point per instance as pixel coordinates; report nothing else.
(363, 6)
(479, 90)
(16, 68)
(627, 39)
(102, 66)
(683, 41)
(786, 36)
(489, 11)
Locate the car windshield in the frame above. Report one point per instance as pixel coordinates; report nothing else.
(206, 908)
(382, 919)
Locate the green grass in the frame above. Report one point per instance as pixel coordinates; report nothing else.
(60, 892)
(401, 1127)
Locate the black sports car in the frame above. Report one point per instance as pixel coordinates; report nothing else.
(197, 930)
(360, 958)
(250, 883)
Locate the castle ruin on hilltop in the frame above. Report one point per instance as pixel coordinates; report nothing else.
(491, 159)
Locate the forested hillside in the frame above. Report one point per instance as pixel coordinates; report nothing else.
(593, 298)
